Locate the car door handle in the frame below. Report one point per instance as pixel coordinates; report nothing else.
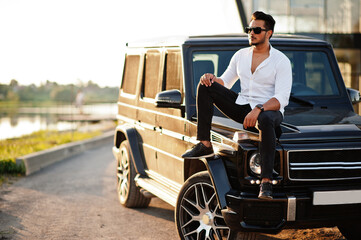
(158, 129)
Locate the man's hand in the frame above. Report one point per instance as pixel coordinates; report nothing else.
(207, 79)
(251, 118)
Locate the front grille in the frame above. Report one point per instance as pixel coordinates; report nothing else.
(216, 138)
(324, 164)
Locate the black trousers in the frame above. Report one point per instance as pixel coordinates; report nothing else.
(225, 100)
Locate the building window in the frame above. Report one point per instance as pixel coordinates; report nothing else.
(346, 72)
(343, 16)
(311, 16)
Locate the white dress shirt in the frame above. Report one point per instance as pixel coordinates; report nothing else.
(271, 79)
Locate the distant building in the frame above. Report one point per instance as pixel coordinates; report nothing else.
(336, 21)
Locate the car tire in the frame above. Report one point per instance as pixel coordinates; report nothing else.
(351, 231)
(197, 213)
(128, 193)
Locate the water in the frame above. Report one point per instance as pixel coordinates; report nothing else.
(24, 121)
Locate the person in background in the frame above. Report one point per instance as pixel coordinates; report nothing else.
(79, 101)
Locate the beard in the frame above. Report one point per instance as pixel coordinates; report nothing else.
(261, 41)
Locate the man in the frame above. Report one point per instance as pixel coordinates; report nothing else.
(266, 78)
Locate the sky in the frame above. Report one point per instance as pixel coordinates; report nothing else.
(74, 41)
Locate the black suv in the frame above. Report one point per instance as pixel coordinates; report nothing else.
(317, 173)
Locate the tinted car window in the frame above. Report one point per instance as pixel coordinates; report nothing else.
(131, 70)
(312, 74)
(173, 71)
(152, 74)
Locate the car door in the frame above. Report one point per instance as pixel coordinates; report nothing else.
(171, 122)
(147, 112)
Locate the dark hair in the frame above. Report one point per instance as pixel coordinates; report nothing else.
(268, 19)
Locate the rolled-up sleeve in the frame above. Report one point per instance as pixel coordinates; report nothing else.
(283, 82)
(230, 76)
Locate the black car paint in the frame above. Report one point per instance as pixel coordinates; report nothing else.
(324, 124)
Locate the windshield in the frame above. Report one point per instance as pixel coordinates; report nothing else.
(312, 74)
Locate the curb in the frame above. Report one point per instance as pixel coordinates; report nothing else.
(35, 161)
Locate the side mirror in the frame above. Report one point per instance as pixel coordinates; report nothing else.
(354, 95)
(169, 99)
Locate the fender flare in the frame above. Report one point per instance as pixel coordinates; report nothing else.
(127, 132)
(218, 174)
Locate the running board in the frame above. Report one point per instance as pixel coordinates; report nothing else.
(164, 190)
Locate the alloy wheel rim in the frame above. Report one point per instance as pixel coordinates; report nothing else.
(123, 174)
(200, 215)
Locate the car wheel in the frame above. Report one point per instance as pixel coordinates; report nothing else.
(351, 231)
(198, 216)
(129, 194)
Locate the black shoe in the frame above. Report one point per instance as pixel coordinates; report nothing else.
(265, 191)
(199, 151)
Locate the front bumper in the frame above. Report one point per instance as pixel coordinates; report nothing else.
(245, 212)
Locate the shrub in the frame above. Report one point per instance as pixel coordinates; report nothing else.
(10, 149)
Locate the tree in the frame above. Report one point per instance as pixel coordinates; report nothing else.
(62, 94)
(12, 96)
(13, 83)
(3, 91)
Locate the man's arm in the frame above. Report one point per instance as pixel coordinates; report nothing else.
(228, 78)
(250, 120)
(208, 78)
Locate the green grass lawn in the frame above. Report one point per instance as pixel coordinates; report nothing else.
(10, 149)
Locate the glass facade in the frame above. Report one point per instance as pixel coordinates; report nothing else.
(312, 16)
(336, 21)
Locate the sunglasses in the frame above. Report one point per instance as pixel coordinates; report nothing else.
(256, 30)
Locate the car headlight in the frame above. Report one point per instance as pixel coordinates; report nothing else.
(255, 163)
(239, 136)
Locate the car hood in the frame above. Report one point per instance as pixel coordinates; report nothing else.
(320, 125)
(306, 125)
(321, 117)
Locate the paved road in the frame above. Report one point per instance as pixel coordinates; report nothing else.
(76, 199)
